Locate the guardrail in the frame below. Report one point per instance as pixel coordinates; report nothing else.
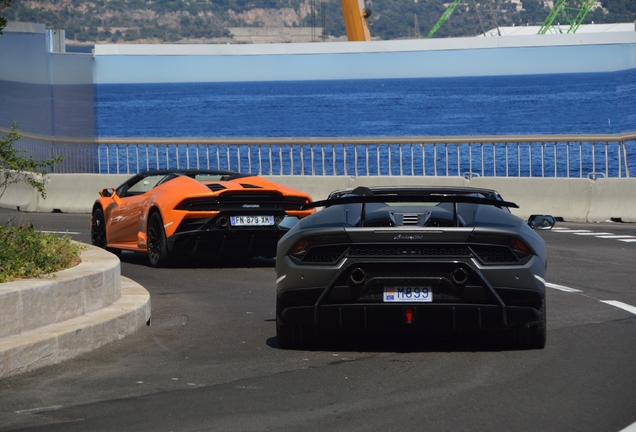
(551, 156)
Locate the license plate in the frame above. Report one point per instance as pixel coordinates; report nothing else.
(251, 220)
(408, 294)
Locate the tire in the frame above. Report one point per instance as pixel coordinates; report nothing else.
(532, 336)
(284, 334)
(537, 334)
(158, 253)
(98, 232)
(290, 335)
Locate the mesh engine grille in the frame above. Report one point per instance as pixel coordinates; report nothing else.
(212, 206)
(406, 251)
(331, 253)
(261, 203)
(486, 253)
(494, 254)
(325, 254)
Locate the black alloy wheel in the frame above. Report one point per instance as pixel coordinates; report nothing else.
(158, 253)
(98, 231)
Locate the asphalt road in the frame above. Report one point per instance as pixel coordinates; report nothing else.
(221, 370)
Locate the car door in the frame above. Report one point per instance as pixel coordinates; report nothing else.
(123, 223)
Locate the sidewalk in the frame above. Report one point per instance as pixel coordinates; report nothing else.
(47, 321)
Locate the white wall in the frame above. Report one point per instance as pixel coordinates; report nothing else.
(416, 58)
(50, 94)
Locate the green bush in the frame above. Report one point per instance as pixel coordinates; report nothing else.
(17, 167)
(27, 253)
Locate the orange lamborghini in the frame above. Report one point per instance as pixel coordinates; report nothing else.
(175, 213)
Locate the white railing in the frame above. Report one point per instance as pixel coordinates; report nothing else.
(565, 156)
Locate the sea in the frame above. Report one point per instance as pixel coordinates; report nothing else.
(584, 103)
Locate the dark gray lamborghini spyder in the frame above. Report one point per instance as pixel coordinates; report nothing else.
(412, 260)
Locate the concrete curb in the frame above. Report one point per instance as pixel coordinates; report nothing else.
(47, 321)
(573, 199)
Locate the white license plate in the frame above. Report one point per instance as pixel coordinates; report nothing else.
(408, 294)
(251, 220)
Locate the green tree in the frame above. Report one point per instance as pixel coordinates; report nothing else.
(15, 167)
(391, 19)
(131, 35)
(3, 21)
(534, 12)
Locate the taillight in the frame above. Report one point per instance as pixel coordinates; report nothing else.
(485, 246)
(302, 246)
(519, 247)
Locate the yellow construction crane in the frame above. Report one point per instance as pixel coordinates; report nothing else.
(355, 18)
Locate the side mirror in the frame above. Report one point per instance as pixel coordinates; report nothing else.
(541, 222)
(106, 192)
(111, 193)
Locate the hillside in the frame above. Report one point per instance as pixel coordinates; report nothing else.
(206, 21)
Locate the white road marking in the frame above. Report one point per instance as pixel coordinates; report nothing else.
(561, 287)
(630, 428)
(615, 236)
(629, 308)
(620, 305)
(606, 235)
(33, 410)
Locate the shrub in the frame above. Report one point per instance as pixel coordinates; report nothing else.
(27, 253)
(16, 167)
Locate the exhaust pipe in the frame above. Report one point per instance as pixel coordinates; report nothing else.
(460, 276)
(223, 222)
(358, 276)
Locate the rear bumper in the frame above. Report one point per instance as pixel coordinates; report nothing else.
(425, 318)
(216, 237)
(462, 297)
(227, 242)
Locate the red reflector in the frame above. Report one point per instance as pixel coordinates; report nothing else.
(301, 247)
(518, 245)
(409, 315)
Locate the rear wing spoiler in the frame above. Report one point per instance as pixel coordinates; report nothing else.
(364, 199)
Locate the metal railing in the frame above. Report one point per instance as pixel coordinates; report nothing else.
(567, 156)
